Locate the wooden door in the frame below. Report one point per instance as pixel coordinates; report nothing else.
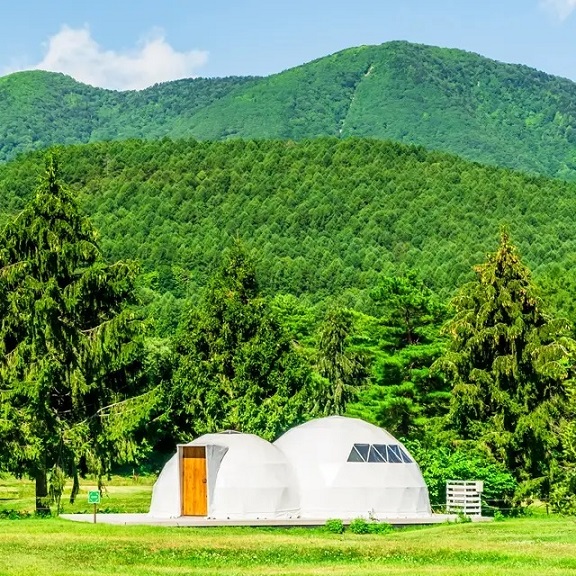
(193, 481)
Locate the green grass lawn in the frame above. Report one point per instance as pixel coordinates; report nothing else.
(538, 545)
(121, 494)
(530, 546)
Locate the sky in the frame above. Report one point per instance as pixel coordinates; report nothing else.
(123, 44)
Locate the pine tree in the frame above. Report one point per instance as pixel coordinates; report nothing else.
(404, 395)
(236, 367)
(563, 489)
(66, 343)
(343, 368)
(509, 363)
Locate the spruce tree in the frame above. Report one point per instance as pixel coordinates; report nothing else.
(236, 366)
(343, 368)
(66, 343)
(509, 363)
(404, 396)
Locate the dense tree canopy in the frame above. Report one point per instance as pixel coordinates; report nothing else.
(508, 362)
(236, 367)
(67, 347)
(327, 217)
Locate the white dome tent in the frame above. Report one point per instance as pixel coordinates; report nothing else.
(347, 468)
(331, 467)
(226, 476)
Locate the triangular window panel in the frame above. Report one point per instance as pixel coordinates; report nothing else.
(363, 450)
(359, 453)
(394, 454)
(381, 449)
(355, 456)
(375, 456)
(405, 458)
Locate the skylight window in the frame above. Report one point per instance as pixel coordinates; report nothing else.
(375, 456)
(359, 453)
(390, 453)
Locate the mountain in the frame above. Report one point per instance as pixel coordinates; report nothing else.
(444, 99)
(38, 109)
(326, 217)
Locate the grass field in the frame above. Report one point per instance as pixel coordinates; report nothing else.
(121, 494)
(539, 546)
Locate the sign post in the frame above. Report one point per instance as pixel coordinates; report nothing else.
(94, 498)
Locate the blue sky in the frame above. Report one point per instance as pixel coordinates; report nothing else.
(122, 44)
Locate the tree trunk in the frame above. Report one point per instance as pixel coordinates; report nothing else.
(75, 487)
(42, 506)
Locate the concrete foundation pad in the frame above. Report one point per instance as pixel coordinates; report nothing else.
(201, 522)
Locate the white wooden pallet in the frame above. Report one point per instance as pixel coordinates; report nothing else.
(464, 497)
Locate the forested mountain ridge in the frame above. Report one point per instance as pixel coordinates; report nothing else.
(326, 216)
(38, 109)
(444, 99)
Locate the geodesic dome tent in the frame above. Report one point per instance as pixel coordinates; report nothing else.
(347, 468)
(332, 467)
(226, 476)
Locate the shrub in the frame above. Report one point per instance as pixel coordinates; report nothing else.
(334, 526)
(465, 462)
(359, 526)
(563, 491)
(15, 514)
(380, 528)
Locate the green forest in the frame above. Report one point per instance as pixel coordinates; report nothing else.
(154, 291)
(443, 99)
(326, 217)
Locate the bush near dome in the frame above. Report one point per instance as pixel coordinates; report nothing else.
(465, 462)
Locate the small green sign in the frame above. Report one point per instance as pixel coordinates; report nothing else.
(94, 497)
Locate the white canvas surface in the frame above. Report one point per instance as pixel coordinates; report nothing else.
(247, 476)
(304, 474)
(332, 487)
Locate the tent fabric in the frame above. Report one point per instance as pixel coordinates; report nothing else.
(248, 478)
(309, 472)
(166, 491)
(330, 486)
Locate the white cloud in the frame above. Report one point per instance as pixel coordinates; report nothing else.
(562, 8)
(73, 51)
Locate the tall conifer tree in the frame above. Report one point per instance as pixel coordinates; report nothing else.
(237, 367)
(343, 368)
(509, 363)
(66, 342)
(404, 396)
